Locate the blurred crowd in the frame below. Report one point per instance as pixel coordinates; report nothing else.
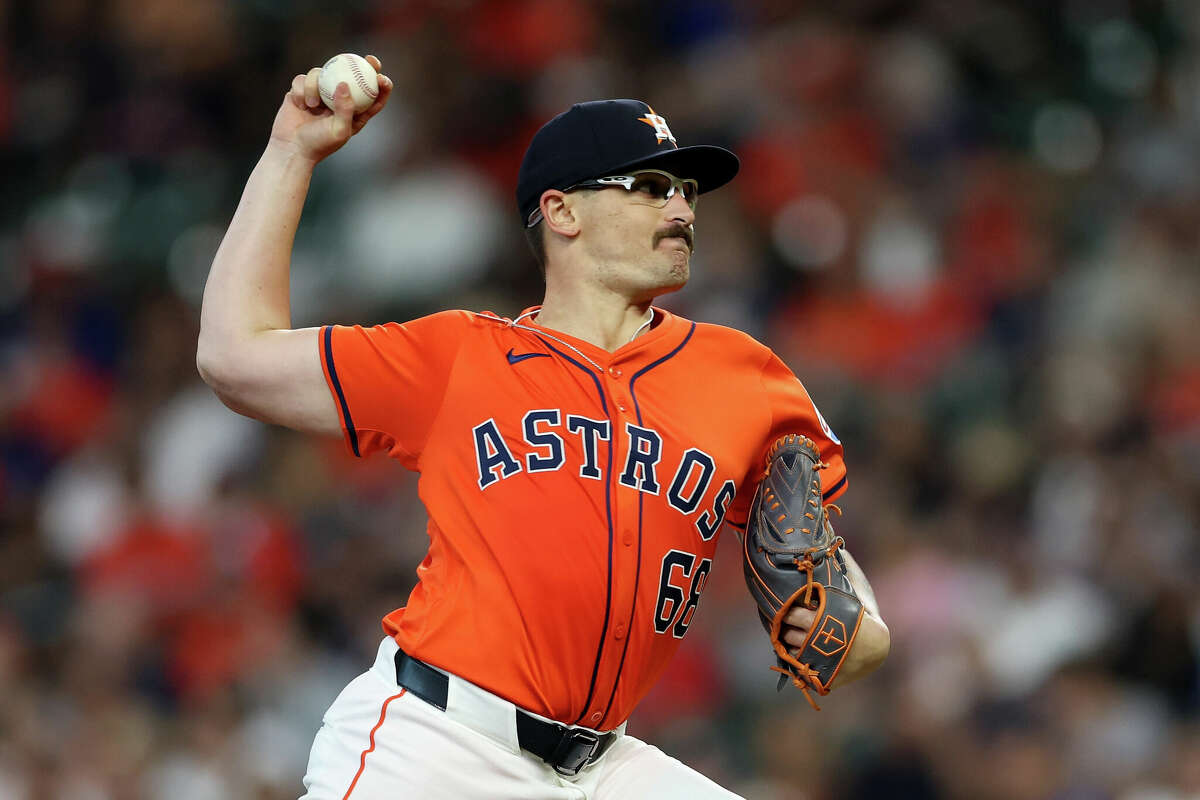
(970, 227)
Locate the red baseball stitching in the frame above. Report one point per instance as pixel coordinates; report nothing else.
(361, 80)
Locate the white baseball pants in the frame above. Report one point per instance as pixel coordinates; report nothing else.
(379, 742)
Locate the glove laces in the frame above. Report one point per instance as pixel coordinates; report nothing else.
(801, 677)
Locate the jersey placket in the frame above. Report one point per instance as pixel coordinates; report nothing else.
(632, 481)
(623, 577)
(616, 407)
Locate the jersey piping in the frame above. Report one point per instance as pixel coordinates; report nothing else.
(833, 490)
(608, 513)
(351, 431)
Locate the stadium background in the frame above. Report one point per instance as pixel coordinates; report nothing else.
(970, 227)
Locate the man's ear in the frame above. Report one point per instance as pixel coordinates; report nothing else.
(559, 213)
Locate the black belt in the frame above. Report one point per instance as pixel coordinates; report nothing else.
(568, 750)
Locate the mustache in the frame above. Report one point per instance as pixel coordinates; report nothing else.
(685, 232)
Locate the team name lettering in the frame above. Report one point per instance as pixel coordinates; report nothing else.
(591, 431)
(495, 460)
(546, 452)
(710, 521)
(679, 495)
(551, 441)
(645, 449)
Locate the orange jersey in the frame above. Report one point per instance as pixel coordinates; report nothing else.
(574, 495)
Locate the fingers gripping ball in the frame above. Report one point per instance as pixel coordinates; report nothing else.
(355, 71)
(792, 556)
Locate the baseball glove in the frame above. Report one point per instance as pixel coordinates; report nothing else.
(791, 555)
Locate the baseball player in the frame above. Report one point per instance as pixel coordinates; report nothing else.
(577, 462)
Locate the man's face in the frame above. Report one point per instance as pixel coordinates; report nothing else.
(639, 250)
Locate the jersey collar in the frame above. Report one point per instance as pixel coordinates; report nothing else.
(665, 332)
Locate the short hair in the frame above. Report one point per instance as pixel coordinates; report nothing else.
(536, 238)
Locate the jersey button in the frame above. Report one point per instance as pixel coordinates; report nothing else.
(615, 372)
(628, 539)
(596, 716)
(622, 407)
(620, 630)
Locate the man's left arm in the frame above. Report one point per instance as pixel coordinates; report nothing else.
(873, 641)
(813, 597)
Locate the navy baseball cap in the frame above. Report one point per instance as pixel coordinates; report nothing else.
(612, 137)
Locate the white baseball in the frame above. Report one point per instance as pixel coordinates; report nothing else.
(353, 70)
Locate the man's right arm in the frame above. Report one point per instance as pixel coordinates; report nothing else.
(247, 350)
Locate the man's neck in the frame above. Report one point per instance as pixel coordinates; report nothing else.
(607, 321)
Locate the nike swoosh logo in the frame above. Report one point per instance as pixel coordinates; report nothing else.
(513, 359)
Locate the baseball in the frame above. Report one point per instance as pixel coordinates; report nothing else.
(355, 71)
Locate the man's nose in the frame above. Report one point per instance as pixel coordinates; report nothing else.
(679, 210)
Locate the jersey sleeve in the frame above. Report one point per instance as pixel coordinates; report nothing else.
(791, 411)
(388, 381)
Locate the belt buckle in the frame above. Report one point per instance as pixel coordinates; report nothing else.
(574, 751)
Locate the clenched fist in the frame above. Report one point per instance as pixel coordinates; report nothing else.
(305, 125)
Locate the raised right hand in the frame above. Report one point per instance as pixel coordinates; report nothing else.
(305, 125)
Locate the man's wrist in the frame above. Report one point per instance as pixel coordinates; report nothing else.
(288, 154)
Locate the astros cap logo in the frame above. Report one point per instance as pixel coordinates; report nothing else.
(660, 127)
